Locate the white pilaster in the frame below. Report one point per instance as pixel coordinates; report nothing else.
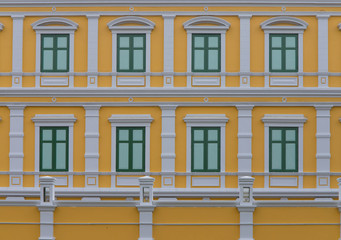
(91, 144)
(245, 49)
(244, 138)
(92, 49)
(168, 49)
(47, 207)
(16, 144)
(17, 55)
(246, 207)
(146, 208)
(323, 145)
(168, 145)
(322, 50)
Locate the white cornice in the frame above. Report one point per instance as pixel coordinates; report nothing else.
(140, 118)
(206, 118)
(22, 3)
(143, 23)
(284, 118)
(217, 23)
(295, 23)
(54, 118)
(50, 24)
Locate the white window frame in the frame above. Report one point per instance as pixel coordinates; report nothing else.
(144, 26)
(48, 26)
(53, 120)
(205, 120)
(139, 120)
(219, 26)
(295, 26)
(283, 120)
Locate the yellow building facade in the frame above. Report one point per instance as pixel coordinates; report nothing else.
(170, 120)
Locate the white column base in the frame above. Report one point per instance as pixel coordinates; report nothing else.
(46, 238)
(146, 239)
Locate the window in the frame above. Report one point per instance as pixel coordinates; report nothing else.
(131, 53)
(54, 53)
(283, 149)
(283, 53)
(54, 149)
(206, 52)
(205, 149)
(130, 149)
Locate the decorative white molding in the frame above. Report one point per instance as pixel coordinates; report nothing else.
(283, 181)
(54, 120)
(16, 145)
(168, 49)
(205, 81)
(283, 81)
(205, 120)
(245, 49)
(55, 25)
(127, 181)
(140, 120)
(91, 144)
(143, 25)
(54, 81)
(275, 25)
(283, 120)
(206, 181)
(92, 49)
(130, 81)
(1, 27)
(199, 25)
(244, 138)
(61, 181)
(17, 52)
(168, 145)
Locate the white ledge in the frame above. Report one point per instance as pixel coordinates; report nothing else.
(284, 118)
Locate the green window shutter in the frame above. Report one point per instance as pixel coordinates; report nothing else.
(283, 149)
(54, 149)
(205, 149)
(54, 53)
(131, 53)
(206, 52)
(130, 149)
(283, 53)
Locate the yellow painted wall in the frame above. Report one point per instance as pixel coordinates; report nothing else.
(296, 215)
(21, 215)
(195, 215)
(96, 215)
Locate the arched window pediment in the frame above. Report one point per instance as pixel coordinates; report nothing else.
(139, 23)
(206, 23)
(284, 23)
(54, 23)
